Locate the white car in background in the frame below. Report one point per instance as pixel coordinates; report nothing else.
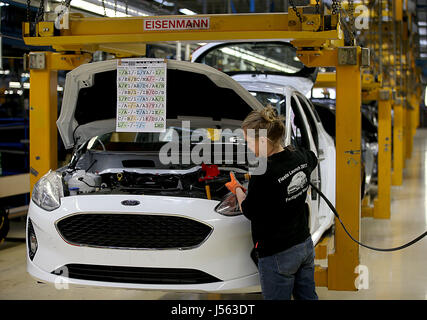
(116, 216)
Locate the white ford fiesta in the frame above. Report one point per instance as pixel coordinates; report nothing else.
(117, 216)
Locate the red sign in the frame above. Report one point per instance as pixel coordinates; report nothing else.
(162, 24)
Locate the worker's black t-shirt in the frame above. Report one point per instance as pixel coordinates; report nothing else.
(275, 201)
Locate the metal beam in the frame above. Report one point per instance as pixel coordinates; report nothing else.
(86, 32)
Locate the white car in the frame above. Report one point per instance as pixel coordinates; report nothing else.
(116, 216)
(271, 71)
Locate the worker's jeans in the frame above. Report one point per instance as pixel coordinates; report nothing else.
(289, 272)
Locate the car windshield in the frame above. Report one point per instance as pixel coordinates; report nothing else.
(275, 57)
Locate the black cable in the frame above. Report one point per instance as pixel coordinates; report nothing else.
(361, 244)
(81, 179)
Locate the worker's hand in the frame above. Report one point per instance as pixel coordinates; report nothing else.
(234, 184)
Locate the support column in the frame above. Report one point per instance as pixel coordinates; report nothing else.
(404, 133)
(44, 108)
(382, 202)
(342, 263)
(409, 131)
(43, 115)
(396, 176)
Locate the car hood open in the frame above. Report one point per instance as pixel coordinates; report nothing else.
(90, 96)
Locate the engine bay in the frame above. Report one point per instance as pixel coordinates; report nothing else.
(205, 181)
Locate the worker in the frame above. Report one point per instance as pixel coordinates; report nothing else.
(275, 205)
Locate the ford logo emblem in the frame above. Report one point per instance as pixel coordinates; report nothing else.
(130, 202)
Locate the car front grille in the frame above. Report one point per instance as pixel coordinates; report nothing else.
(134, 274)
(132, 231)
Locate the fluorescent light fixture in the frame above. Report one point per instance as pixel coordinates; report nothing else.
(423, 55)
(20, 92)
(5, 72)
(259, 59)
(422, 23)
(165, 3)
(423, 42)
(187, 11)
(253, 93)
(273, 100)
(59, 88)
(25, 75)
(88, 6)
(26, 85)
(3, 4)
(16, 85)
(109, 11)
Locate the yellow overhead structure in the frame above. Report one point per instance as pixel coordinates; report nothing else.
(90, 34)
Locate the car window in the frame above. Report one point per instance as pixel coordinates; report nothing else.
(274, 99)
(299, 134)
(311, 121)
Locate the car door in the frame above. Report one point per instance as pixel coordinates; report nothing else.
(326, 168)
(298, 134)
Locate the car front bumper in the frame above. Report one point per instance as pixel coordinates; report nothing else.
(225, 253)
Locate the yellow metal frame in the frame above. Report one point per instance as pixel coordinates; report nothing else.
(382, 203)
(43, 111)
(342, 263)
(371, 92)
(114, 34)
(397, 173)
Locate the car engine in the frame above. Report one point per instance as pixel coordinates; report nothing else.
(206, 181)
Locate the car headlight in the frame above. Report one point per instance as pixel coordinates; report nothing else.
(228, 206)
(48, 191)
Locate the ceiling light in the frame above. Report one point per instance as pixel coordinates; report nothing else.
(187, 11)
(14, 85)
(165, 3)
(119, 11)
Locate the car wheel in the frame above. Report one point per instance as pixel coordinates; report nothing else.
(4, 224)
